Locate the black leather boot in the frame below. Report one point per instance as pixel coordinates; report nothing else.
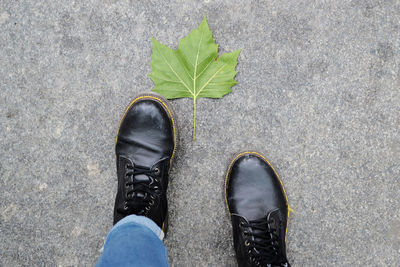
(145, 147)
(259, 211)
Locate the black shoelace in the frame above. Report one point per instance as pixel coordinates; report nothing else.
(263, 244)
(140, 195)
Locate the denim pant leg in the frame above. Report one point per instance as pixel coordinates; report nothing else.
(134, 241)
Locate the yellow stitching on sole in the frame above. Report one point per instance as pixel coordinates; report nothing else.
(261, 156)
(165, 106)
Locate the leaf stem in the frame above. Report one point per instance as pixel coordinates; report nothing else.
(194, 119)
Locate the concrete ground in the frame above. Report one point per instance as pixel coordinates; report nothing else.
(318, 94)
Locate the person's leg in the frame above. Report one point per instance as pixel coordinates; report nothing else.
(145, 148)
(259, 210)
(134, 241)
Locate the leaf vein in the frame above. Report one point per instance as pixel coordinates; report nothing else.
(209, 80)
(175, 72)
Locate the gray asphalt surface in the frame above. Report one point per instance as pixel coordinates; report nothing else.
(318, 95)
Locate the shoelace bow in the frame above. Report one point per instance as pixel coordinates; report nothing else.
(264, 244)
(140, 195)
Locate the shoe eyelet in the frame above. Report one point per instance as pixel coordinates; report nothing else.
(125, 205)
(151, 203)
(128, 166)
(156, 171)
(241, 224)
(246, 243)
(147, 208)
(126, 185)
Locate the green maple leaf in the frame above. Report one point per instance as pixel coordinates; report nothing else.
(193, 70)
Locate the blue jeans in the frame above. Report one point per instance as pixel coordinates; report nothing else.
(134, 241)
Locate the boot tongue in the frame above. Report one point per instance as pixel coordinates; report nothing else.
(141, 178)
(259, 239)
(273, 226)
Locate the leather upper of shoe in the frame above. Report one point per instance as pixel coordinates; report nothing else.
(146, 134)
(144, 147)
(259, 211)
